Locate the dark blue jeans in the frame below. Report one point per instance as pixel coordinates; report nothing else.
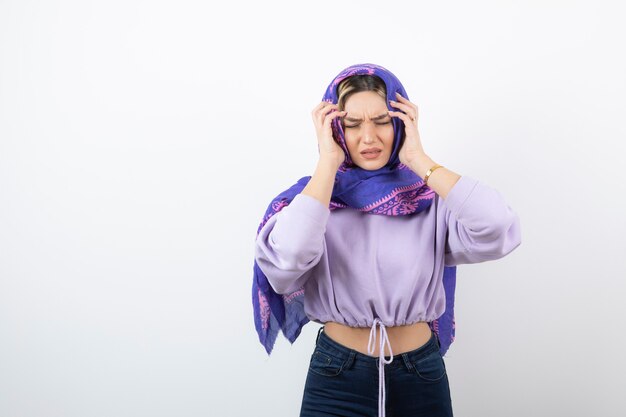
(344, 382)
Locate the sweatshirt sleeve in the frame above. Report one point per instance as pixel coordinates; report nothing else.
(291, 243)
(481, 225)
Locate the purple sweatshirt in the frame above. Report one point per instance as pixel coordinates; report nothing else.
(356, 266)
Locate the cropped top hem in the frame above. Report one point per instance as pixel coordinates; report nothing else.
(370, 322)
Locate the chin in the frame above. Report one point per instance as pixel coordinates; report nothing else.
(371, 164)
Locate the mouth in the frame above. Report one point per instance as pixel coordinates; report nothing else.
(371, 153)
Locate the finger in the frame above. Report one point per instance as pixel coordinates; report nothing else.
(407, 109)
(405, 117)
(405, 100)
(334, 114)
(329, 117)
(327, 110)
(320, 106)
(404, 106)
(319, 114)
(399, 96)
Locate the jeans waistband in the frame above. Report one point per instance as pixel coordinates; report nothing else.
(342, 352)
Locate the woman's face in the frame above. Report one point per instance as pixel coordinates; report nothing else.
(367, 124)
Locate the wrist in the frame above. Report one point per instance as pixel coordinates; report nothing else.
(327, 164)
(421, 164)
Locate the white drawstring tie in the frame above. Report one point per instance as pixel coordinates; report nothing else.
(381, 361)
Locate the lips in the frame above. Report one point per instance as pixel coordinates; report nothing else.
(371, 151)
(371, 154)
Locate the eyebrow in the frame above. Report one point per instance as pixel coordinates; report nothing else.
(352, 119)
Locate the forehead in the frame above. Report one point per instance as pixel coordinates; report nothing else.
(368, 104)
(364, 100)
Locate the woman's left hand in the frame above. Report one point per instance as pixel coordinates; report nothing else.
(412, 147)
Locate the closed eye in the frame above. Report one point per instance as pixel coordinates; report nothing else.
(384, 123)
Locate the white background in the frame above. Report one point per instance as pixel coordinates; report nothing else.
(141, 142)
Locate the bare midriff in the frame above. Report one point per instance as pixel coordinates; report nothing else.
(401, 338)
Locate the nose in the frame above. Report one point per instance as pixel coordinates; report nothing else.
(369, 132)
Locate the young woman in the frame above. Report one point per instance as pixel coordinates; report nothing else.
(371, 241)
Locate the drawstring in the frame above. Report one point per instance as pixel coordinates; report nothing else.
(381, 362)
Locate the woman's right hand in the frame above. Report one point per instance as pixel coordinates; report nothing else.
(322, 115)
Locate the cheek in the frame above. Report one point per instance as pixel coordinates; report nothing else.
(351, 140)
(388, 136)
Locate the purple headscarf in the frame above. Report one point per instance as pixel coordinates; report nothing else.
(392, 190)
